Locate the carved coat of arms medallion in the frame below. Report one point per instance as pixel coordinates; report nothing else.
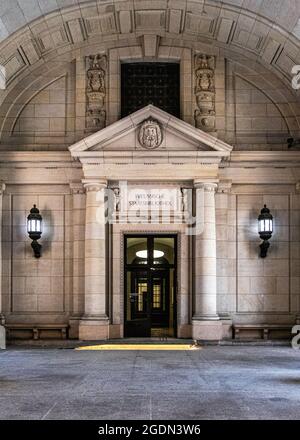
(150, 134)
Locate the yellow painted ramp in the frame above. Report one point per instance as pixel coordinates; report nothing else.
(165, 347)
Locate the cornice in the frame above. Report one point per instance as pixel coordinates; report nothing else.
(148, 158)
(37, 159)
(235, 159)
(264, 158)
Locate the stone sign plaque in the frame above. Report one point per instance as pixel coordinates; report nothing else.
(150, 199)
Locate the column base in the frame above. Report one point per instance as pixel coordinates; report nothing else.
(2, 338)
(74, 327)
(226, 325)
(298, 319)
(93, 328)
(115, 331)
(207, 329)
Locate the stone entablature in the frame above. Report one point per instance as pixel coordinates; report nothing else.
(185, 152)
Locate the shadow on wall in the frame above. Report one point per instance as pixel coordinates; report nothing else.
(47, 230)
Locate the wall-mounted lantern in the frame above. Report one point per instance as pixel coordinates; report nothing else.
(34, 229)
(265, 230)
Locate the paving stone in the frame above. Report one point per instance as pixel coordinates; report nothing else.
(210, 383)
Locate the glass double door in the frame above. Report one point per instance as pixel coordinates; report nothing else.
(149, 287)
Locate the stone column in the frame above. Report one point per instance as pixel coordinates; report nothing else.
(205, 321)
(94, 324)
(77, 225)
(2, 328)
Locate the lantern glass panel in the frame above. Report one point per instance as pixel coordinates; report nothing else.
(271, 225)
(261, 226)
(266, 225)
(34, 225)
(38, 225)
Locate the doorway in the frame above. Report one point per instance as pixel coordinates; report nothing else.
(150, 285)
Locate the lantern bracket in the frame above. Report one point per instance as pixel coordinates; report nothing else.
(36, 248)
(264, 246)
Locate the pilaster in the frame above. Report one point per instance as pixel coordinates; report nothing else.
(94, 324)
(2, 318)
(77, 221)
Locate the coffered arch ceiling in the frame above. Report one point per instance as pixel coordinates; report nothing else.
(39, 37)
(265, 30)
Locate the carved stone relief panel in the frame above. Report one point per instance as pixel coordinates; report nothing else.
(205, 113)
(150, 134)
(96, 66)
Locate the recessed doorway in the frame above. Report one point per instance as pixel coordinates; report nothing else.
(150, 285)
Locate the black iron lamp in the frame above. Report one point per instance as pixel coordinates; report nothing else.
(34, 229)
(265, 230)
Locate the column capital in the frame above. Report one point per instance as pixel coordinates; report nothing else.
(224, 186)
(206, 186)
(94, 185)
(2, 187)
(77, 188)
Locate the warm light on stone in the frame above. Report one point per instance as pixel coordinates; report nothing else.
(211, 135)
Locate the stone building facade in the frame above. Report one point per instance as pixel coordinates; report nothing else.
(65, 148)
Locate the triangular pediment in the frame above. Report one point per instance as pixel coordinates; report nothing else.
(150, 129)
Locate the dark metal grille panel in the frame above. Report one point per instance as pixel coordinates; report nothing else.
(150, 83)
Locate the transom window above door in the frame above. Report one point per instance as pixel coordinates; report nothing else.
(150, 83)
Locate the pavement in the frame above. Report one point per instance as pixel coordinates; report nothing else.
(212, 382)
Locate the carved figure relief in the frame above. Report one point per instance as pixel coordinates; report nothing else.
(150, 134)
(96, 92)
(205, 115)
